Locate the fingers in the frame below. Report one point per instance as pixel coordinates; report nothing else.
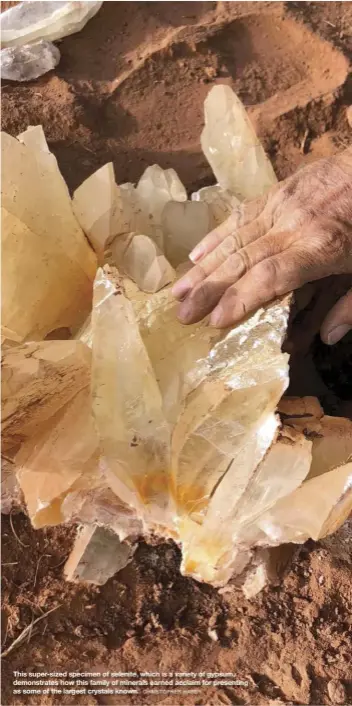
(244, 214)
(338, 321)
(269, 279)
(205, 295)
(211, 262)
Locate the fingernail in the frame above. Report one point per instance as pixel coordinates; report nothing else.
(181, 288)
(216, 317)
(337, 333)
(196, 253)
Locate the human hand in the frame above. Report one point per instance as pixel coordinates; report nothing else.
(299, 232)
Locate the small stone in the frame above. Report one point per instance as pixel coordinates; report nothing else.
(321, 580)
(337, 692)
(213, 635)
(210, 72)
(29, 61)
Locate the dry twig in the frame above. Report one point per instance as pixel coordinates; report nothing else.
(15, 535)
(25, 632)
(304, 141)
(10, 563)
(37, 567)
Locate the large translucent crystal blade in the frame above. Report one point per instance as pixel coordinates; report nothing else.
(127, 405)
(61, 458)
(221, 203)
(30, 21)
(38, 379)
(155, 188)
(232, 148)
(42, 246)
(184, 225)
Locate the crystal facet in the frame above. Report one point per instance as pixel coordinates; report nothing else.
(184, 225)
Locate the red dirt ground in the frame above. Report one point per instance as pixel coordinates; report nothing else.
(130, 89)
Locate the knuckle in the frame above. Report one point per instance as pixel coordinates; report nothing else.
(228, 246)
(244, 259)
(270, 270)
(200, 272)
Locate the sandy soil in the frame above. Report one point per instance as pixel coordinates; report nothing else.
(130, 88)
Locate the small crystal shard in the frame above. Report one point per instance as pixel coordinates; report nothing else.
(232, 148)
(221, 203)
(96, 556)
(47, 265)
(29, 21)
(184, 225)
(155, 188)
(27, 62)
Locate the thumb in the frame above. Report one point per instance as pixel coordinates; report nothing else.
(338, 321)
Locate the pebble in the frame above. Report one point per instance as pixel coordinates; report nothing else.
(337, 692)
